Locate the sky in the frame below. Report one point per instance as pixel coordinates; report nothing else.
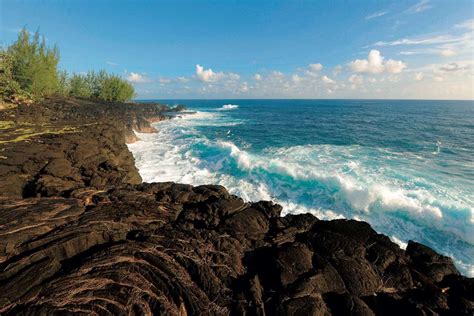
(368, 49)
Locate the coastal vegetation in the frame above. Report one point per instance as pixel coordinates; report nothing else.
(29, 71)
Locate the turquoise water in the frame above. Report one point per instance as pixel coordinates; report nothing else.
(406, 167)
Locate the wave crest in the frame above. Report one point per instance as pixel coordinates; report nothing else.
(227, 107)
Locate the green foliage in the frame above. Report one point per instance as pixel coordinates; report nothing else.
(115, 88)
(10, 90)
(100, 85)
(63, 83)
(29, 68)
(79, 87)
(34, 64)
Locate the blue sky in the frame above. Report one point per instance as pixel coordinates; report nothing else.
(262, 49)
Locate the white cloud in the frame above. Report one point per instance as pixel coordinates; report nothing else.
(337, 70)
(326, 79)
(182, 79)
(419, 76)
(468, 24)
(244, 87)
(234, 76)
(453, 67)
(111, 63)
(164, 80)
(208, 75)
(440, 39)
(137, 78)
(408, 53)
(438, 78)
(296, 79)
(393, 78)
(257, 77)
(315, 67)
(375, 64)
(356, 79)
(419, 7)
(376, 15)
(394, 66)
(372, 80)
(276, 75)
(447, 53)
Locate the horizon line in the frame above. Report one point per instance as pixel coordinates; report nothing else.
(328, 99)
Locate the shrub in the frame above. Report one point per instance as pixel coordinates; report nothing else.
(100, 85)
(79, 87)
(115, 88)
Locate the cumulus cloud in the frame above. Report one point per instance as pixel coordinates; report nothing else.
(208, 75)
(375, 64)
(296, 79)
(421, 6)
(315, 67)
(394, 66)
(356, 79)
(419, 76)
(326, 79)
(276, 75)
(337, 70)
(137, 78)
(376, 15)
(234, 76)
(257, 77)
(244, 87)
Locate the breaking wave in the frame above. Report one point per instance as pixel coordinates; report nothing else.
(328, 181)
(227, 107)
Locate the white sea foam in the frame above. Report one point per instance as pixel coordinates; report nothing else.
(227, 107)
(327, 181)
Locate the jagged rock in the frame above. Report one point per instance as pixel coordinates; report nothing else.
(137, 249)
(79, 234)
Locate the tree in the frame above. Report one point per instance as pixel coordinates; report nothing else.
(63, 83)
(34, 65)
(29, 67)
(10, 90)
(79, 87)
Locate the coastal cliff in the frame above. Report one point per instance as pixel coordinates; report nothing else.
(80, 233)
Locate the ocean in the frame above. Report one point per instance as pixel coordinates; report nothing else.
(404, 166)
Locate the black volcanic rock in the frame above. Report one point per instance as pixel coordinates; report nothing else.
(148, 249)
(79, 234)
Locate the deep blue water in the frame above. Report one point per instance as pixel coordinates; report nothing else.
(404, 166)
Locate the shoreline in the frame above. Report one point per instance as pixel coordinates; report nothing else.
(74, 209)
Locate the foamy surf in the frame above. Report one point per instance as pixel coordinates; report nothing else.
(227, 107)
(326, 180)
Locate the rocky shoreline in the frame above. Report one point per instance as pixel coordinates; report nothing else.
(81, 234)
